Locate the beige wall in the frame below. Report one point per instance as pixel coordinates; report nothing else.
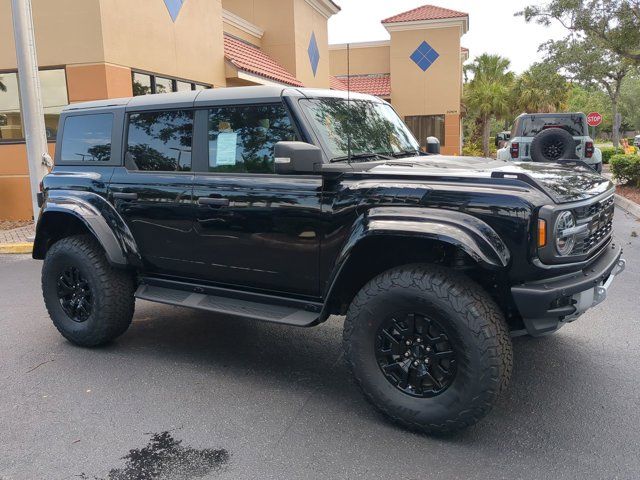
(306, 21)
(363, 60)
(57, 42)
(287, 26)
(141, 34)
(275, 17)
(434, 92)
(237, 32)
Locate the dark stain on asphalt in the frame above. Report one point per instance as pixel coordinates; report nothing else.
(165, 458)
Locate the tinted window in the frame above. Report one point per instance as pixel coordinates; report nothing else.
(87, 138)
(574, 124)
(241, 139)
(160, 140)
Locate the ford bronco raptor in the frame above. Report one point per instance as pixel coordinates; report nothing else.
(290, 205)
(548, 137)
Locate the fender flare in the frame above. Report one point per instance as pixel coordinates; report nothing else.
(472, 235)
(98, 216)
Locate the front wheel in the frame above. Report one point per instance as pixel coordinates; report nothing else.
(428, 347)
(90, 302)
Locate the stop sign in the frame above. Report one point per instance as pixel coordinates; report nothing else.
(594, 119)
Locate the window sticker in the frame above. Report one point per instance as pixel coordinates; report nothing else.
(226, 148)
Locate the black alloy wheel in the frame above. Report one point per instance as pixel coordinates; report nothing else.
(74, 294)
(415, 355)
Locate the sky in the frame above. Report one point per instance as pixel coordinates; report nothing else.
(492, 26)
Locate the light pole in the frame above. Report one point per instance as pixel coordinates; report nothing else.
(30, 100)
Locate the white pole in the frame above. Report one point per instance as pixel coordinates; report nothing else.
(31, 102)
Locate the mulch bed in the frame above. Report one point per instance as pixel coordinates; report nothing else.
(630, 193)
(11, 224)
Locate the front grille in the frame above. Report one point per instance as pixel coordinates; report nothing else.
(598, 217)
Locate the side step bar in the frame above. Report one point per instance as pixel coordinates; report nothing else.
(265, 312)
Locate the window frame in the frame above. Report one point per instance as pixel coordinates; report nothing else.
(201, 161)
(116, 138)
(125, 140)
(22, 140)
(441, 116)
(174, 81)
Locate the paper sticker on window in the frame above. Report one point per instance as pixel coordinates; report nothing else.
(225, 149)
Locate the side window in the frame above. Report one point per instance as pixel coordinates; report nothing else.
(87, 138)
(241, 139)
(160, 141)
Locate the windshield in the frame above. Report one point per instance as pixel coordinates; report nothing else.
(374, 127)
(574, 124)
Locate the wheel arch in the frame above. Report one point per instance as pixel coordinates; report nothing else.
(71, 213)
(386, 238)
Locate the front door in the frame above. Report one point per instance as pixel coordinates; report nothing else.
(153, 192)
(255, 229)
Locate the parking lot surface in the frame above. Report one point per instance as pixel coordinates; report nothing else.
(222, 398)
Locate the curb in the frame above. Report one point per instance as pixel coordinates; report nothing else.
(628, 206)
(26, 247)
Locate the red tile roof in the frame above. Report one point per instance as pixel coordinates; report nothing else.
(426, 12)
(336, 84)
(377, 84)
(251, 59)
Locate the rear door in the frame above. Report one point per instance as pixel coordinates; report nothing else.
(153, 191)
(255, 229)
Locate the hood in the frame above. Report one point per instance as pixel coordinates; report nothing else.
(564, 183)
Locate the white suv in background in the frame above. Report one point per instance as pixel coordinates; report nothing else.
(550, 137)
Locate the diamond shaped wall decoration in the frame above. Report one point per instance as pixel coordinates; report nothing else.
(174, 7)
(314, 53)
(424, 56)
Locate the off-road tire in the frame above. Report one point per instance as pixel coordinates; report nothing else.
(112, 292)
(553, 144)
(481, 341)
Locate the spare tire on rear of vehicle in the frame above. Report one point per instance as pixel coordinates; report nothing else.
(553, 144)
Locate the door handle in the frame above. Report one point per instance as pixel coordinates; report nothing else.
(214, 202)
(125, 195)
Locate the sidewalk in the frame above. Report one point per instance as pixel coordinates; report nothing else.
(17, 240)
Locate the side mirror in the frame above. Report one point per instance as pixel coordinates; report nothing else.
(433, 146)
(296, 157)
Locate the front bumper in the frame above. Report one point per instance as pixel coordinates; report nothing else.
(547, 304)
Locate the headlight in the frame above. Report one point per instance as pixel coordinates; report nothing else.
(565, 233)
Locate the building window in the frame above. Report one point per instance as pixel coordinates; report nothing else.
(141, 84)
(53, 88)
(160, 141)
(10, 118)
(424, 126)
(145, 83)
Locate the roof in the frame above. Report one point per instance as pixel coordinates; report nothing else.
(251, 59)
(426, 12)
(377, 84)
(336, 84)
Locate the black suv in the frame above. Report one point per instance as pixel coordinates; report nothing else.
(290, 205)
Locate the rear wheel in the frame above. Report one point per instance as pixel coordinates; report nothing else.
(428, 347)
(90, 302)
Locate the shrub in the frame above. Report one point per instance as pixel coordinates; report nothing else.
(626, 169)
(608, 152)
(472, 149)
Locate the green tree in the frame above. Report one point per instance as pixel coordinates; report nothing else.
(590, 65)
(591, 99)
(612, 25)
(487, 93)
(540, 89)
(630, 101)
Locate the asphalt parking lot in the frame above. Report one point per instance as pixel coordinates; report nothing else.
(259, 401)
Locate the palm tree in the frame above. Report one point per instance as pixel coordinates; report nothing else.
(540, 89)
(487, 93)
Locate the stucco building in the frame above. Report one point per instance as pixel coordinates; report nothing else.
(97, 49)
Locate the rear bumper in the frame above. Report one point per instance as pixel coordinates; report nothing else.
(546, 305)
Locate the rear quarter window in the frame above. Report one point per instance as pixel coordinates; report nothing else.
(531, 126)
(87, 138)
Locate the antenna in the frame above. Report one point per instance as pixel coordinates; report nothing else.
(348, 101)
